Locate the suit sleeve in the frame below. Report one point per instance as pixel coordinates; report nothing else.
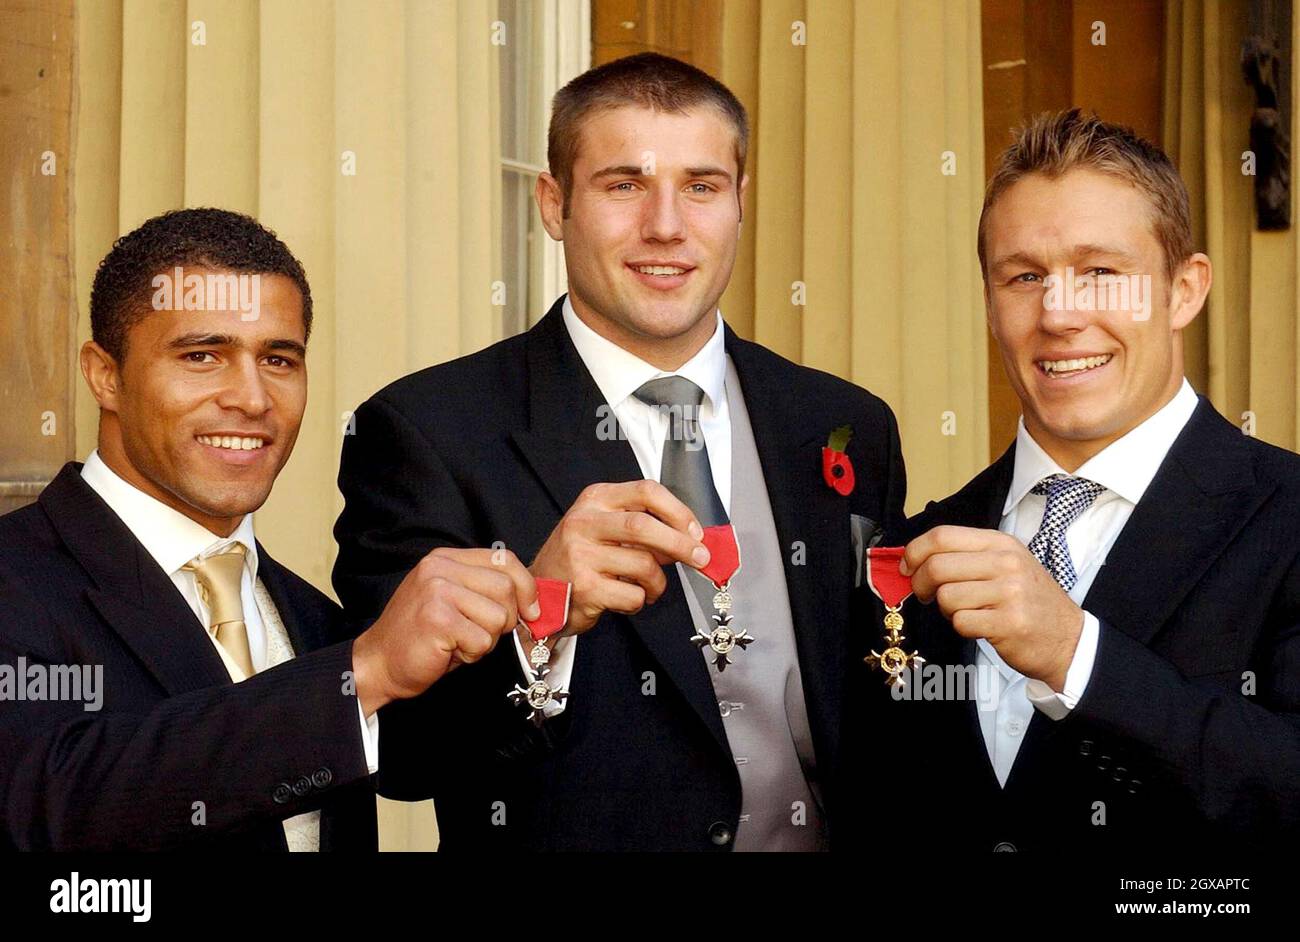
(202, 764)
(400, 502)
(1235, 756)
(896, 489)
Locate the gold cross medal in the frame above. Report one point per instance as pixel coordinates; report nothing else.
(724, 563)
(553, 596)
(893, 588)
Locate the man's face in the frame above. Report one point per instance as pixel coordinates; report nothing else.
(654, 219)
(206, 405)
(1085, 377)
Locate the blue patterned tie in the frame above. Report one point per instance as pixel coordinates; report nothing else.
(1067, 498)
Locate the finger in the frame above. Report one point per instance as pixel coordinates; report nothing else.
(942, 568)
(472, 642)
(632, 565)
(616, 595)
(488, 613)
(947, 539)
(975, 622)
(653, 498)
(957, 596)
(503, 560)
(485, 580)
(634, 528)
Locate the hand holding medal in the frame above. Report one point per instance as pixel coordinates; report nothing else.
(893, 588)
(553, 597)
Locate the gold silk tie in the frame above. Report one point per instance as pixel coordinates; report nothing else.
(218, 579)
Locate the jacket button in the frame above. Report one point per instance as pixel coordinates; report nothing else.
(281, 793)
(1118, 775)
(301, 786)
(1133, 786)
(1085, 748)
(1004, 847)
(322, 777)
(720, 833)
(1103, 763)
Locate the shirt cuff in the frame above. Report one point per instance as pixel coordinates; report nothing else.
(369, 738)
(562, 654)
(1057, 706)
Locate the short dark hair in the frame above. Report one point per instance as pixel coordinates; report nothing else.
(217, 239)
(1054, 143)
(647, 79)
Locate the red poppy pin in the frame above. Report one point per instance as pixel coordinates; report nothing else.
(836, 467)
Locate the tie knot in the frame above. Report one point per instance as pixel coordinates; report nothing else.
(1067, 496)
(671, 391)
(218, 577)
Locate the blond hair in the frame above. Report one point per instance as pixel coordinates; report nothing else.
(1055, 143)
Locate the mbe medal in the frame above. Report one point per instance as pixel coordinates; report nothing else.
(724, 563)
(892, 588)
(553, 598)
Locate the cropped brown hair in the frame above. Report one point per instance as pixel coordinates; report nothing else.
(648, 80)
(1055, 143)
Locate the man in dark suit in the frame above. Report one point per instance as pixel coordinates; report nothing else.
(1119, 594)
(127, 725)
(599, 445)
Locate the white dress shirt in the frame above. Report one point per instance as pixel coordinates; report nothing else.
(619, 374)
(1124, 468)
(173, 539)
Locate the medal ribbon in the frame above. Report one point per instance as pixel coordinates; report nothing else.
(724, 554)
(553, 596)
(889, 585)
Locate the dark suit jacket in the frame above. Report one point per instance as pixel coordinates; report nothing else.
(495, 447)
(1199, 594)
(76, 587)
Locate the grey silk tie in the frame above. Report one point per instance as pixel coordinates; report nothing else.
(685, 469)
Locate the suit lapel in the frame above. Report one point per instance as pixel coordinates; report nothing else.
(809, 513)
(566, 450)
(134, 596)
(1203, 494)
(306, 632)
(979, 504)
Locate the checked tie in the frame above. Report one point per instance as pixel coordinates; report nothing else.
(1067, 498)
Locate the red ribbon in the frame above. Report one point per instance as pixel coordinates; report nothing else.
(553, 597)
(724, 554)
(890, 585)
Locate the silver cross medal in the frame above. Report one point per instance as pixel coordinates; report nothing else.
(724, 638)
(538, 694)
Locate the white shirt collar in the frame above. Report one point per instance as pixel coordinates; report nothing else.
(1125, 466)
(619, 373)
(169, 536)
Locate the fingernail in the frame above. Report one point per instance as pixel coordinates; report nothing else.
(700, 555)
(695, 530)
(904, 568)
(534, 611)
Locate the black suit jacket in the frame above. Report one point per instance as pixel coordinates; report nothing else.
(1199, 595)
(495, 447)
(76, 588)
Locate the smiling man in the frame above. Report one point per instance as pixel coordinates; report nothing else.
(235, 712)
(599, 445)
(1126, 578)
